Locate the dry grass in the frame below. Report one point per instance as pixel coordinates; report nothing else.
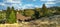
(44, 22)
(30, 24)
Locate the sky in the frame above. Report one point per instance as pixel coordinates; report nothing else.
(23, 4)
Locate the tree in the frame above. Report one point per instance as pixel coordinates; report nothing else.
(24, 13)
(11, 15)
(36, 14)
(7, 13)
(44, 10)
(12, 18)
(12, 8)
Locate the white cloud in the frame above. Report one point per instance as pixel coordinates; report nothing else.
(50, 3)
(15, 3)
(2, 4)
(47, 0)
(34, 0)
(57, 1)
(12, 1)
(27, 6)
(18, 3)
(37, 6)
(17, 6)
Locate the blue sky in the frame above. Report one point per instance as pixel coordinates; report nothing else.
(23, 4)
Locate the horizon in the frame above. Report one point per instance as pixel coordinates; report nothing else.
(24, 4)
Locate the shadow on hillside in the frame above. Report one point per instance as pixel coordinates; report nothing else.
(37, 18)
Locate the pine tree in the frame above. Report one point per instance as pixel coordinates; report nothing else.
(11, 15)
(24, 13)
(36, 14)
(12, 8)
(7, 13)
(12, 18)
(44, 10)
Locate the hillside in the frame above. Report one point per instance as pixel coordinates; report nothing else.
(52, 21)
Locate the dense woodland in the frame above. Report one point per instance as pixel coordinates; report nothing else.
(9, 15)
